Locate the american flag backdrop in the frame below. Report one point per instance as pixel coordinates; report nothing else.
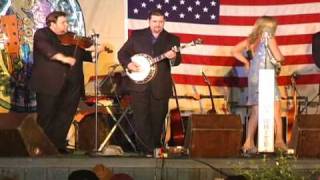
(222, 24)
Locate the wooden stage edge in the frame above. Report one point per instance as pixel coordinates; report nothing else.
(59, 167)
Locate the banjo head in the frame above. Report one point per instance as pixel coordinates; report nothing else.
(147, 70)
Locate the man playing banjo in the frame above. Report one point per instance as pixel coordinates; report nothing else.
(150, 96)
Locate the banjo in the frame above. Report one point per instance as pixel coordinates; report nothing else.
(147, 64)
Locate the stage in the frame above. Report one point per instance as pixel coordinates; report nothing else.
(141, 168)
(26, 154)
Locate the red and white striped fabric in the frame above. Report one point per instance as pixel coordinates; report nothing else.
(298, 21)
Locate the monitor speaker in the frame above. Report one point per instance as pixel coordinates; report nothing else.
(306, 136)
(214, 135)
(20, 135)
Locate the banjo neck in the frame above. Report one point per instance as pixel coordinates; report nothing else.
(162, 56)
(177, 49)
(158, 59)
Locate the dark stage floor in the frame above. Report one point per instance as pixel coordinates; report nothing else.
(142, 168)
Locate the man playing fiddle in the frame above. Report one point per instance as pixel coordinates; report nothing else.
(57, 78)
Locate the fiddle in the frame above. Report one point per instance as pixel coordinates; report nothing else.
(71, 38)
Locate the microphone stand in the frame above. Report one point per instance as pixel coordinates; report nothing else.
(265, 39)
(95, 37)
(305, 108)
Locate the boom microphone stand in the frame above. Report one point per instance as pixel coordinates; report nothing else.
(305, 108)
(95, 37)
(123, 116)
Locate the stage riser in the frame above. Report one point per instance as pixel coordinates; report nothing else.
(139, 168)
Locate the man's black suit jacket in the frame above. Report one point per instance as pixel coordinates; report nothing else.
(48, 75)
(141, 41)
(316, 49)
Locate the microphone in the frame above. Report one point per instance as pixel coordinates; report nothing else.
(293, 79)
(266, 35)
(94, 34)
(294, 75)
(94, 37)
(114, 66)
(108, 50)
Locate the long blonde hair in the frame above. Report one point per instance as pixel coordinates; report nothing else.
(262, 24)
